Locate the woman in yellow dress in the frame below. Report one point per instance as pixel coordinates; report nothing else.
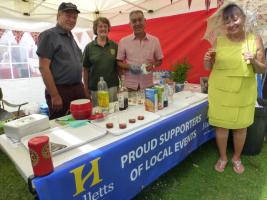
(232, 85)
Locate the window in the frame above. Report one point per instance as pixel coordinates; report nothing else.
(18, 60)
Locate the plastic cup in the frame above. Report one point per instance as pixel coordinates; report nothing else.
(212, 52)
(171, 91)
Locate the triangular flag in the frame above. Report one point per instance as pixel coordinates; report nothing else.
(18, 35)
(35, 36)
(2, 32)
(189, 3)
(219, 3)
(90, 34)
(79, 36)
(207, 3)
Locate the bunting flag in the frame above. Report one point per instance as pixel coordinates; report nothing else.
(207, 3)
(2, 32)
(18, 35)
(90, 34)
(79, 36)
(35, 36)
(219, 3)
(189, 3)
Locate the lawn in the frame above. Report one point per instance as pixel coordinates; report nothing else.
(193, 179)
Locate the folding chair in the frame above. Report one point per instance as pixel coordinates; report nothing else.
(4, 114)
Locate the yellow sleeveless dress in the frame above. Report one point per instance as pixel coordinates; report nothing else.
(232, 85)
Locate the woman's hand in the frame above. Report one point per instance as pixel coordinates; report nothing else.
(249, 57)
(209, 58)
(256, 61)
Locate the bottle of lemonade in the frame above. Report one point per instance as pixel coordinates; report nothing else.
(102, 95)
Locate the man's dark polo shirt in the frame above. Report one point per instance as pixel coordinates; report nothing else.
(59, 46)
(101, 61)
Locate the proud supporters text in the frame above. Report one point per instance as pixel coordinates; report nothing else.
(153, 151)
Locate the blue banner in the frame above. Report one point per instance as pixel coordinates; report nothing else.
(122, 169)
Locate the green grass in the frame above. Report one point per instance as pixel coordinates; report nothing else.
(193, 179)
(12, 185)
(196, 179)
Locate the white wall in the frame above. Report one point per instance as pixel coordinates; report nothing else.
(23, 90)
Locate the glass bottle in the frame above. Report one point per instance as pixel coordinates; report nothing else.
(123, 95)
(103, 95)
(166, 94)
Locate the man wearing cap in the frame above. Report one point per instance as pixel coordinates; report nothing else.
(60, 62)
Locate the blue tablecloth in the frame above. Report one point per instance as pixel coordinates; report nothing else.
(122, 169)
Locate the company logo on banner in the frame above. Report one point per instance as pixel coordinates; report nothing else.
(80, 181)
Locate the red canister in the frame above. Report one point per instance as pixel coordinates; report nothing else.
(40, 155)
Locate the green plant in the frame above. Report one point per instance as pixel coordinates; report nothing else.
(180, 71)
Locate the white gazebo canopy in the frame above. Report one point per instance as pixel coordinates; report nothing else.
(37, 15)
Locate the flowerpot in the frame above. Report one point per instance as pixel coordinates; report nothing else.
(179, 87)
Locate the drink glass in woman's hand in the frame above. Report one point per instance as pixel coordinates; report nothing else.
(212, 52)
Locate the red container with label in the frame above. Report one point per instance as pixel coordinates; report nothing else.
(40, 155)
(81, 109)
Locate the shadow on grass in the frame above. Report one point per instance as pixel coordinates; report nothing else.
(196, 179)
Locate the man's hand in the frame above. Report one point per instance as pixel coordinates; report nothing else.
(135, 69)
(57, 103)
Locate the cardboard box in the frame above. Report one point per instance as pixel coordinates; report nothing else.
(151, 99)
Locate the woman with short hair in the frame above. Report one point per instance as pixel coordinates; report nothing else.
(99, 59)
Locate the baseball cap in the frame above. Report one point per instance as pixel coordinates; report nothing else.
(67, 6)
